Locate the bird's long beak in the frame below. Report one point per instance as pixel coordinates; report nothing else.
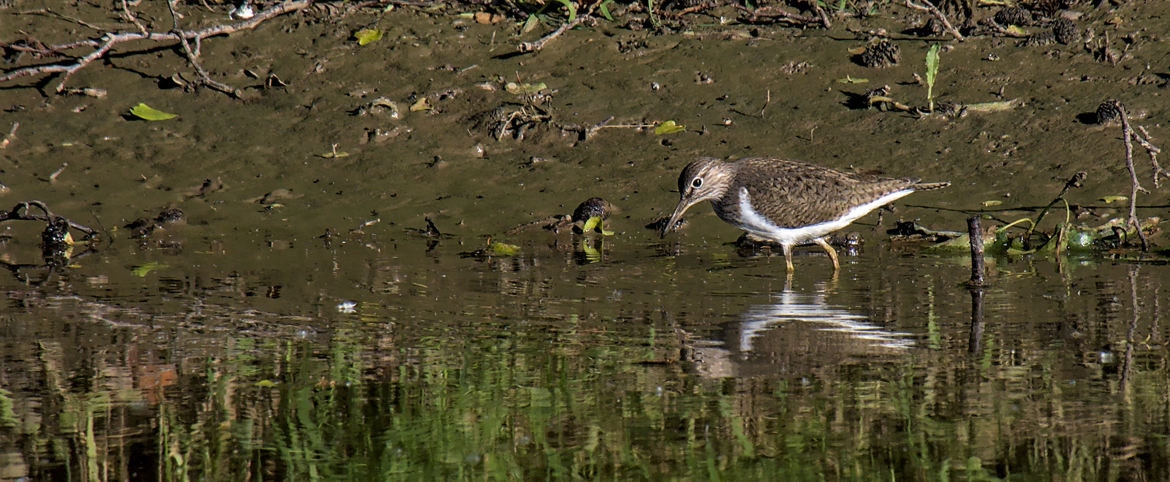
(683, 205)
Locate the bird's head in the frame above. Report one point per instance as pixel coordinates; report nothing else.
(703, 180)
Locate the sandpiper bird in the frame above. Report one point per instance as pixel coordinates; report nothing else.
(786, 202)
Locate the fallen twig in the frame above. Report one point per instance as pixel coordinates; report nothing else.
(1153, 151)
(193, 59)
(1126, 136)
(929, 7)
(824, 16)
(526, 47)
(107, 41)
(20, 212)
(777, 12)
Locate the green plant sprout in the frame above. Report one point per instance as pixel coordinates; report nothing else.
(931, 72)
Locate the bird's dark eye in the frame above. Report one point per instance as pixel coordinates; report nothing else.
(697, 183)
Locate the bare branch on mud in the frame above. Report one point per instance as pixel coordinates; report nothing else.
(929, 7)
(107, 41)
(193, 59)
(691, 9)
(584, 133)
(1153, 151)
(1127, 135)
(20, 212)
(824, 16)
(777, 12)
(526, 47)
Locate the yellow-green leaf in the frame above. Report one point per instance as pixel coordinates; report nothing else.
(529, 24)
(991, 203)
(996, 106)
(367, 35)
(591, 223)
(146, 112)
(851, 80)
(1016, 31)
(145, 269)
(420, 104)
(669, 127)
(517, 88)
(604, 9)
(503, 249)
(1113, 199)
(266, 384)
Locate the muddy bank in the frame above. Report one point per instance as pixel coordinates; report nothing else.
(740, 90)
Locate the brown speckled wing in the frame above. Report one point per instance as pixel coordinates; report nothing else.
(793, 193)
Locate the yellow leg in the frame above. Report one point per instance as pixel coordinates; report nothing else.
(832, 253)
(787, 256)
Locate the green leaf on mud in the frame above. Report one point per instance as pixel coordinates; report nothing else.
(420, 104)
(571, 7)
(604, 8)
(931, 64)
(591, 224)
(669, 127)
(503, 249)
(142, 270)
(991, 203)
(1016, 31)
(1113, 199)
(595, 223)
(851, 80)
(996, 106)
(327, 155)
(367, 35)
(146, 112)
(529, 23)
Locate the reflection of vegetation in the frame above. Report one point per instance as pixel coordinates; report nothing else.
(517, 399)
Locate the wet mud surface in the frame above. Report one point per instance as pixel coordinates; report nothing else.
(373, 216)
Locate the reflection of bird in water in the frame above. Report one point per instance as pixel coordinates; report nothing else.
(800, 307)
(794, 334)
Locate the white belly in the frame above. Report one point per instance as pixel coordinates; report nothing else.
(757, 224)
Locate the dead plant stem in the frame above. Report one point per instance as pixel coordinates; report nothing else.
(1126, 136)
(929, 7)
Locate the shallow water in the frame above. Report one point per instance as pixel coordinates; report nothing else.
(639, 365)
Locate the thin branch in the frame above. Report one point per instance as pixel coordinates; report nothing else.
(20, 212)
(777, 12)
(193, 59)
(1127, 135)
(107, 41)
(526, 47)
(1153, 151)
(929, 7)
(824, 16)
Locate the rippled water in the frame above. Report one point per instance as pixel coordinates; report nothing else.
(641, 360)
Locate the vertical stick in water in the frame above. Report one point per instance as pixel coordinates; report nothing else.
(975, 232)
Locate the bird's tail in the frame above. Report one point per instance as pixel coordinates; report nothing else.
(930, 186)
